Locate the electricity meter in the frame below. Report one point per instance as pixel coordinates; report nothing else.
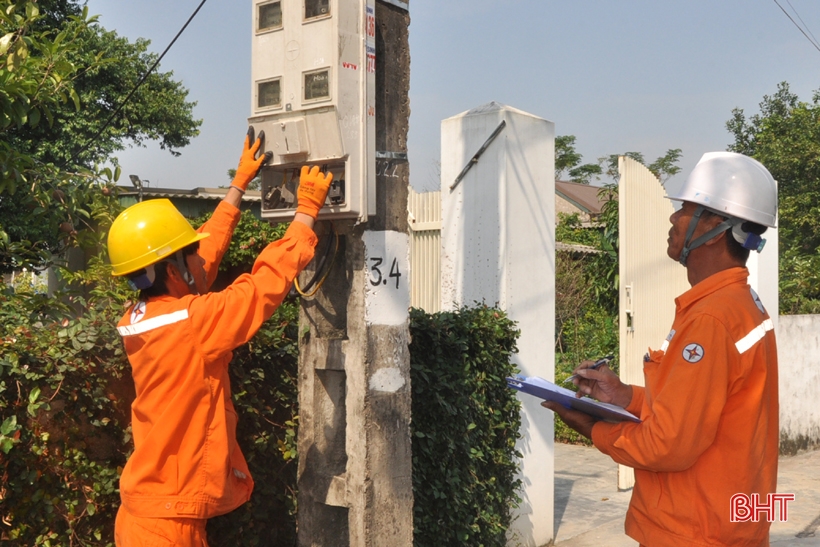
(313, 71)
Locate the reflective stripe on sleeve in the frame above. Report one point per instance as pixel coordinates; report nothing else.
(755, 336)
(153, 323)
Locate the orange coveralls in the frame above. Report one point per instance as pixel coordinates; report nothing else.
(710, 421)
(186, 462)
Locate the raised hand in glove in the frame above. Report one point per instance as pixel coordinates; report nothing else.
(249, 164)
(313, 187)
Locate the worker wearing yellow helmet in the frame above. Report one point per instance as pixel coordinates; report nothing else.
(186, 466)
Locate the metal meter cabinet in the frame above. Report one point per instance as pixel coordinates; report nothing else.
(313, 70)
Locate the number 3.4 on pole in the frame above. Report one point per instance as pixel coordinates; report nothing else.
(377, 277)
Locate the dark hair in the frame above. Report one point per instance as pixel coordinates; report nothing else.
(159, 286)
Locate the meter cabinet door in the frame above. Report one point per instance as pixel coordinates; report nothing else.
(313, 74)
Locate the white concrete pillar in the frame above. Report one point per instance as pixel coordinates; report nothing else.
(498, 247)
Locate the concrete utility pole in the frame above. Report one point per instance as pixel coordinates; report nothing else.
(355, 466)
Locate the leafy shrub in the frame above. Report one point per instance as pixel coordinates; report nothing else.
(66, 389)
(591, 335)
(568, 229)
(465, 425)
(65, 395)
(586, 303)
(64, 408)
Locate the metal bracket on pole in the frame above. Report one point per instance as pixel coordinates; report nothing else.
(392, 156)
(477, 155)
(392, 159)
(398, 3)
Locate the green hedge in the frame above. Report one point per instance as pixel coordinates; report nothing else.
(465, 425)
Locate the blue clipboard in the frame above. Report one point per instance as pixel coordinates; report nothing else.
(544, 389)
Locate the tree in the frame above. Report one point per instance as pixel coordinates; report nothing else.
(663, 167)
(158, 110)
(36, 77)
(610, 163)
(566, 156)
(568, 162)
(785, 137)
(62, 79)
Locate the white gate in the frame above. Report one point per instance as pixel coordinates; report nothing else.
(649, 280)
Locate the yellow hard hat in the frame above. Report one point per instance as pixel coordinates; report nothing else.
(146, 233)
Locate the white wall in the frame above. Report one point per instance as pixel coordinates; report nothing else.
(798, 355)
(764, 273)
(498, 247)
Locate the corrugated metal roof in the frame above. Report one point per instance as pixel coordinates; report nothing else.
(195, 193)
(583, 196)
(576, 248)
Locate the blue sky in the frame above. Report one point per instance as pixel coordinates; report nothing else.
(628, 75)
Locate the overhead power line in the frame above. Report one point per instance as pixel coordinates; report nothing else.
(814, 40)
(811, 38)
(139, 84)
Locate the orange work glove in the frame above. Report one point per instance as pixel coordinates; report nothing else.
(249, 164)
(313, 187)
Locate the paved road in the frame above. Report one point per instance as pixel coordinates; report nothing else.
(589, 510)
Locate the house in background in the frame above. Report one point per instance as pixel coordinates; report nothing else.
(582, 199)
(571, 197)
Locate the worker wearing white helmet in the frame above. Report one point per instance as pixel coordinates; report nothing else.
(735, 187)
(709, 410)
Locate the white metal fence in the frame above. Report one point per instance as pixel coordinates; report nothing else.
(424, 215)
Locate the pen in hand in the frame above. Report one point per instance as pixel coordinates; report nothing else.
(595, 366)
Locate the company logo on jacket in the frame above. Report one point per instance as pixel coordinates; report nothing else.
(693, 353)
(138, 313)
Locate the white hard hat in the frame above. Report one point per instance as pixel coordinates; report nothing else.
(732, 185)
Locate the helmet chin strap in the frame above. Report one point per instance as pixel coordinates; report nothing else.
(727, 224)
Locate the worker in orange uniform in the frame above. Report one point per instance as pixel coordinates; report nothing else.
(187, 466)
(709, 410)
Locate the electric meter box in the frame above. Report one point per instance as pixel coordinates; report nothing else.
(313, 70)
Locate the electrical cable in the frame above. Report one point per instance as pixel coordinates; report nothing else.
(802, 21)
(325, 253)
(304, 292)
(814, 43)
(136, 87)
